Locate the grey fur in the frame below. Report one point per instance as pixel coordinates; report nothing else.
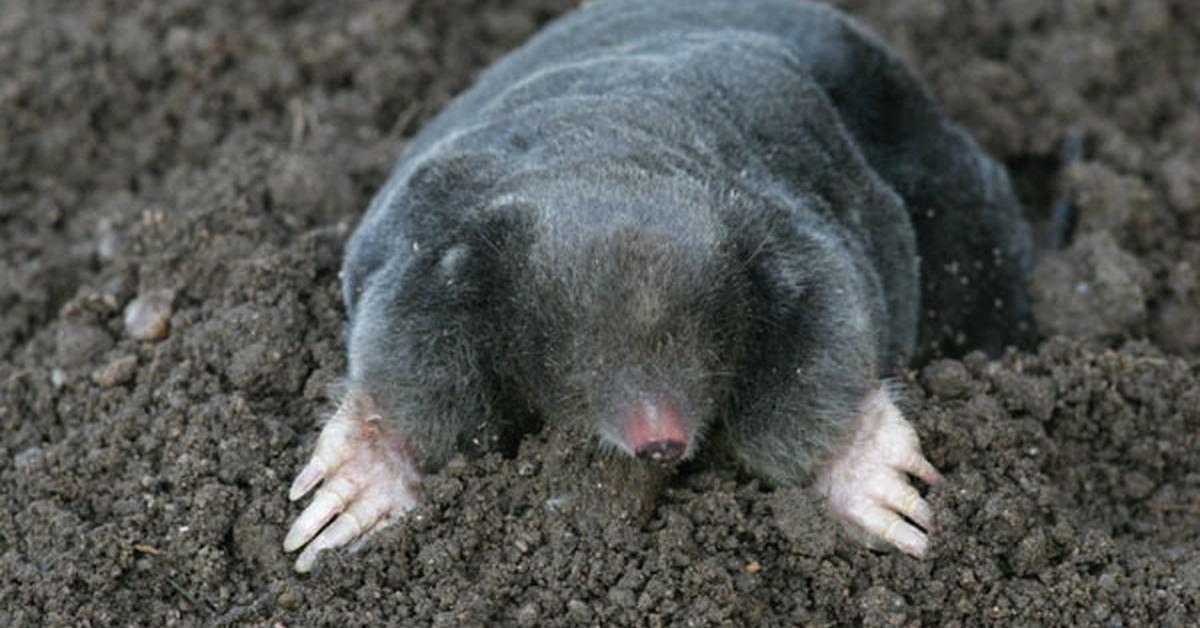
(720, 203)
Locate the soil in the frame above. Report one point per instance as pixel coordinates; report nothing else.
(177, 181)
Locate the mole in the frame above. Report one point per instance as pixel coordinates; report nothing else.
(685, 225)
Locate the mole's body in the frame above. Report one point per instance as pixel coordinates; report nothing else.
(678, 221)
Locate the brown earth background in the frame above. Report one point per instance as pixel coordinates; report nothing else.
(198, 165)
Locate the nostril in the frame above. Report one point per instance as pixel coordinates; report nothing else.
(662, 450)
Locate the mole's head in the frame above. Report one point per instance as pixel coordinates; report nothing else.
(641, 311)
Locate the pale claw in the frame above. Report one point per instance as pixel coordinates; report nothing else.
(369, 480)
(866, 483)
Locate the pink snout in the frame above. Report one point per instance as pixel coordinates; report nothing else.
(655, 432)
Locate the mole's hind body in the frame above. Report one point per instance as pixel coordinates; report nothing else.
(682, 221)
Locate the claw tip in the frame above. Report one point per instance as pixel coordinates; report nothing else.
(305, 562)
(295, 539)
(304, 482)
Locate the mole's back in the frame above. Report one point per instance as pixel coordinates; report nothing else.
(972, 243)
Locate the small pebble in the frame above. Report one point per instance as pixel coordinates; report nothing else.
(117, 372)
(528, 615)
(30, 458)
(290, 599)
(148, 317)
(578, 612)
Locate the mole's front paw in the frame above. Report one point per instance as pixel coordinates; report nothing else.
(369, 480)
(866, 483)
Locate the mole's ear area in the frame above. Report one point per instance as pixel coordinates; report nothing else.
(447, 190)
(778, 270)
(482, 252)
(787, 309)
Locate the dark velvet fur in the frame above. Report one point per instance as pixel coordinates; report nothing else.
(749, 208)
